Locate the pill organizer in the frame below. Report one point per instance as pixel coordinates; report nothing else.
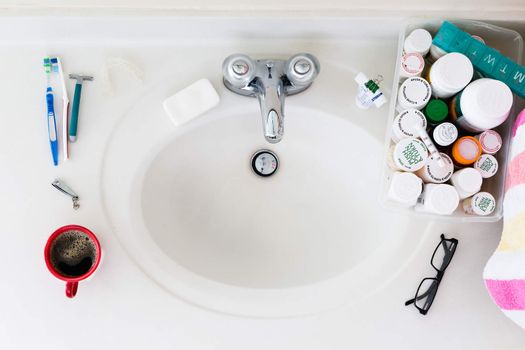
(504, 47)
(486, 60)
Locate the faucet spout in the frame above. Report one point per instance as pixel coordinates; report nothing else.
(270, 93)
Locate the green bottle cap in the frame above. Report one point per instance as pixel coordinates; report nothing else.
(436, 111)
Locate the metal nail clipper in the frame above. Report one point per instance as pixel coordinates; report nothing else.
(65, 189)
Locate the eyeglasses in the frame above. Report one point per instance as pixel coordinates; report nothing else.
(426, 292)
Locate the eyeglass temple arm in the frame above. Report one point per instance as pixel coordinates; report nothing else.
(413, 300)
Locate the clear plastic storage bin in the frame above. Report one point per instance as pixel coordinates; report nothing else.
(510, 44)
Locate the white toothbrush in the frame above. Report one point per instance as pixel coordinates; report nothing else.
(65, 107)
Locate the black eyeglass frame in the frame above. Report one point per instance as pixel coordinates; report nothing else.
(432, 291)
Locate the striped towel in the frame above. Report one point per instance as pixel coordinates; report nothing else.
(504, 273)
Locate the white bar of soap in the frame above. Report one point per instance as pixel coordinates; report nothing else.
(191, 102)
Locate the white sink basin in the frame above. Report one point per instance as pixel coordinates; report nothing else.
(192, 214)
(207, 210)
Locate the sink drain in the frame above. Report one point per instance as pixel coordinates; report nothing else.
(265, 163)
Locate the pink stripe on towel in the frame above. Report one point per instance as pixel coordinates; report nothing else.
(508, 294)
(520, 120)
(516, 171)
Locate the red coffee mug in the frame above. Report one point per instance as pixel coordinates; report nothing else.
(63, 244)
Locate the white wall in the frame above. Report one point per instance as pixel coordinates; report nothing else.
(482, 9)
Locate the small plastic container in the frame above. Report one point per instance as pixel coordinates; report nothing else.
(445, 134)
(440, 199)
(406, 124)
(409, 154)
(434, 172)
(466, 151)
(467, 182)
(436, 111)
(510, 44)
(450, 74)
(487, 165)
(490, 141)
(482, 204)
(414, 93)
(412, 65)
(419, 40)
(478, 38)
(484, 104)
(435, 53)
(405, 188)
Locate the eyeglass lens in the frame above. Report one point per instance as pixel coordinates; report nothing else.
(443, 254)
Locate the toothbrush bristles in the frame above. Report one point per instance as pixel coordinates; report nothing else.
(47, 64)
(54, 64)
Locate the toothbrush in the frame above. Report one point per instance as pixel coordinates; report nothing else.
(51, 120)
(51, 125)
(57, 68)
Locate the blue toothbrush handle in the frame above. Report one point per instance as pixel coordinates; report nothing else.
(52, 125)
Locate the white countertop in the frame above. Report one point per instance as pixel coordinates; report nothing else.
(121, 307)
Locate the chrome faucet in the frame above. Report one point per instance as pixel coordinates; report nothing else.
(270, 81)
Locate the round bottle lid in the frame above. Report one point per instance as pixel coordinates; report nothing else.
(405, 188)
(487, 165)
(490, 141)
(436, 52)
(452, 72)
(410, 154)
(436, 111)
(419, 40)
(412, 64)
(414, 93)
(466, 150)
(467, 181)
(445, 134)
(406, 124)
(441, 199)
(486, 103)
(434, 172)
(482, 203)
(478, 38)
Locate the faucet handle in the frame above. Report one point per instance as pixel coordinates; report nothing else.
(238, 70)
(302, 69)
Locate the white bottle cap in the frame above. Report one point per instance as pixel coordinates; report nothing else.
(409, 154)
(415, 93)
(406, 124)
(412, 65)
(450, 74)
(487, 165)
(490, 141)
(445, 134)
(436, 53)
(433, 172)
(467, 182)
(482, 203)
(419, 40)
(439, 199)
(478, 38)
(485, 103)
(405, 188)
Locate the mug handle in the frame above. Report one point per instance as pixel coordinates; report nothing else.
(71, 289)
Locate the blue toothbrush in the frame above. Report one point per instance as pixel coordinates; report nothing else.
(52, 125)
(51, 120)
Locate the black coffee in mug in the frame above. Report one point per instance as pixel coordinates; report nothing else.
(73, 253)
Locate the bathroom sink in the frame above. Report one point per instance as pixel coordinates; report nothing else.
(191, 212)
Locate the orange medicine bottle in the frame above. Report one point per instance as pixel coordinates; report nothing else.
(466, 150)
